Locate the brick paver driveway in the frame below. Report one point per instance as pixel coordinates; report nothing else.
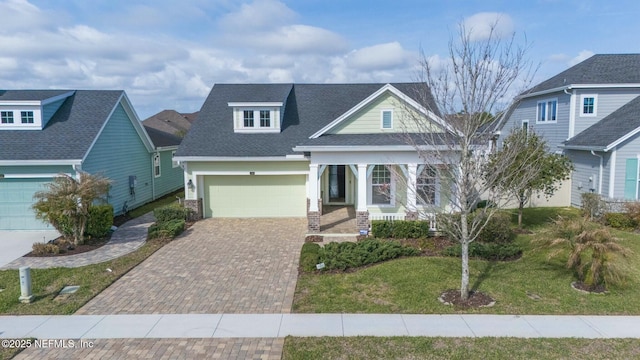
(217, 266)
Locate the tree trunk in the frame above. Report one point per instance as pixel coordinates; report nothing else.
(464, 244)
(520, 209)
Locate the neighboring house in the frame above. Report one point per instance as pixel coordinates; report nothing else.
(591, 113)
(171, 122)
(47, 132)
(167, 173)
(284, 150)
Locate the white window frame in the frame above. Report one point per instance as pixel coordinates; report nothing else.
(9, 115)
(392, 188)
(157, 168)
(548, 107)
(28, 115)
(239, 126)
(436, 196)
(174, 163)
(595, 105)
(382, 112)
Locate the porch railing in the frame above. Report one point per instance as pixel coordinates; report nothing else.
(401, 216)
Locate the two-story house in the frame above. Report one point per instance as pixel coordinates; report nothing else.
(47, 132)
(591, 113)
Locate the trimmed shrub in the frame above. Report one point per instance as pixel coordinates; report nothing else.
(44, 248)
(619, 221)
(309, 256)
(170, 229)
(400, 229)
(351, 255)
(493, 252)
(171, 212)
(498, 230)
(100, 220)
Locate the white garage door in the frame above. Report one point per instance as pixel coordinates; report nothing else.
(255, 196)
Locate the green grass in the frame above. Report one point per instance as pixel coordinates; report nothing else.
(412, 285)
(92, 279)
(457, 348)
(165, 200)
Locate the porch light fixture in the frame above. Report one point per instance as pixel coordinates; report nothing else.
(190, 184)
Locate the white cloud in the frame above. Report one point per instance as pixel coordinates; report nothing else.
(379, 57)
(485, 24)
(582, 56)
(20, 15)
(259, 15)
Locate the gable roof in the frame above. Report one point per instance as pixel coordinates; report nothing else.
(161, 138)
(307, 109)
(610, 131)
(170, 121)
(602, 69)
(71, 132)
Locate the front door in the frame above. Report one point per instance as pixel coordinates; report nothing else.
(337, 188)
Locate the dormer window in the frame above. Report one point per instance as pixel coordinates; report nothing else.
(27, 117)
(256, 117)
(7, 117)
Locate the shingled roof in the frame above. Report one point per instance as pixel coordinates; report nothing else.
(307, 109)
(70, 132)
(615, 126)
(598, 69)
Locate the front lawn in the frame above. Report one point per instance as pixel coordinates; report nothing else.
(457, 348)
(530, 285)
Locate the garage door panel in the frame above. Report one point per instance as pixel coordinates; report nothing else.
(16, 198)
(255, 196)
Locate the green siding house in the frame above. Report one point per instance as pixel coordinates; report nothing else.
(47, 132)
(285, 150)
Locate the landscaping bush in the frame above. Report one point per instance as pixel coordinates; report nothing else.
(100, 220)
(309, 256)
(44, 248)
(493, 252)
(633, 211)
(498, 230)
(171, 229)
(592, 206)
(171, 212)
(619, 221)
(350, 255)
(400, 229)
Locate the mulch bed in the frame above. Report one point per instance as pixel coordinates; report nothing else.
(476, 299)
(89, 244)
(432, 246)
(579, 285)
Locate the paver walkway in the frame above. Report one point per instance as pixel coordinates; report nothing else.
(216, 266)
(126, 239)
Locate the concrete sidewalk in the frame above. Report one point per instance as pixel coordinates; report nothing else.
(175, 326)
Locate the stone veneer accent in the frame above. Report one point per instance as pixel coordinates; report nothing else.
(411, 215)
(196, 206)
(362, 220)
(313, 222)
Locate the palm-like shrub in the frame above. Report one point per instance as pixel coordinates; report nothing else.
(594, 253)
(66, 201)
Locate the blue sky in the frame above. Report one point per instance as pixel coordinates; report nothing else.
(167, 54)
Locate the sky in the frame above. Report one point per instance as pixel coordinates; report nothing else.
(167, 54)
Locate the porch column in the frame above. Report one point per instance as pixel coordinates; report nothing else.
(412, 195)
(313, 215)
(362, 213)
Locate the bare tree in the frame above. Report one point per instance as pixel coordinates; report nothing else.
(467, 91)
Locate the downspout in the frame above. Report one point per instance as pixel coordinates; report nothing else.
(600, 175)
(153, 176)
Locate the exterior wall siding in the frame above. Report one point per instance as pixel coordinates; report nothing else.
(608, 101)
(117, 154)
(368, 120)
(585, 175)
(170, 179)
(630, 149)
(49, 110)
